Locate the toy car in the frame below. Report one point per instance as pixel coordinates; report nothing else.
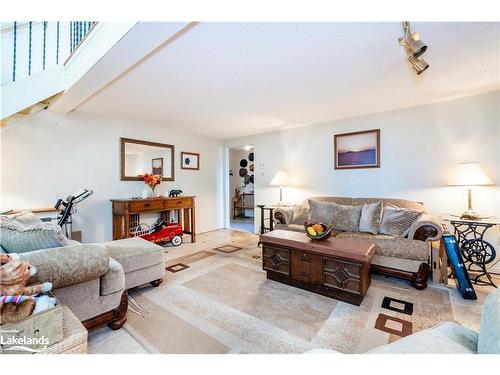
(162, 232)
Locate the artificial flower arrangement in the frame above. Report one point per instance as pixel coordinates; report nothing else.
(152, 180)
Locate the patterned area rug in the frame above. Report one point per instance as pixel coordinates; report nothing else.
(223, 303)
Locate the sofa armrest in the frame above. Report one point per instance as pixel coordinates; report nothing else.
(68, 265)
(283, 215)
(426, 228)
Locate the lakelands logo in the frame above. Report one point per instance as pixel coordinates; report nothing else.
(23, 343)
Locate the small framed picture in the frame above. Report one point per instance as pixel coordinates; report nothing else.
(157, 166)
(190, 160)
(357, 150)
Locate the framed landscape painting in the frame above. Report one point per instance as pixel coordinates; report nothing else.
(357, 150)
(157, 166)
(190, 160)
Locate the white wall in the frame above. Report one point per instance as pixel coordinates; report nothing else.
(48, 155)
(419, 148)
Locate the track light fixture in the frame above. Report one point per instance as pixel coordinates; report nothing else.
(414, 48)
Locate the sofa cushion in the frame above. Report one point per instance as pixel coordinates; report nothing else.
(16, 237)
(320, 212)
(371, 217)
(300, 213)
(346, 217)
(397, 221)
(340, 217)
(400, 203)
(336, 200)
(135, 253)
(445, 338)
(300, 228)
(393, 246)
(489, 331)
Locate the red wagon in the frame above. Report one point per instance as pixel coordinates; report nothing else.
(160, 232)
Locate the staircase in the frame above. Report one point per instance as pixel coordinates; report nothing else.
(33, 58)
(63, 64)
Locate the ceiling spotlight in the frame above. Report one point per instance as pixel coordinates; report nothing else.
(418, 65)
(414, 48)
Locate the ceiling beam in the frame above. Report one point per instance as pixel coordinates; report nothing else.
(141, 42)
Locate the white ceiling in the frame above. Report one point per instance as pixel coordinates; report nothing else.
(228, 80)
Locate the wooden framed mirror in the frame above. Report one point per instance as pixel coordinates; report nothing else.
(139, 157)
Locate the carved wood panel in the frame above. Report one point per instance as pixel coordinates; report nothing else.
(276, 260)
(343, 275)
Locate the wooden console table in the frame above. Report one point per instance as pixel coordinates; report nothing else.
(126, 211)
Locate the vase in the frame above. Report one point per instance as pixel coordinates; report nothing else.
(152, 188)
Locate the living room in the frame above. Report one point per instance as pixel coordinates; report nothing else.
(286, 186)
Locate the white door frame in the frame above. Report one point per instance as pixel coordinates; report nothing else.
(227, 194)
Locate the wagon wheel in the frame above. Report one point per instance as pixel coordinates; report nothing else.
(478, 252)
(176, 241)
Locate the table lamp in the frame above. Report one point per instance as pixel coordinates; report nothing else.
(280, 179)
(469, 174)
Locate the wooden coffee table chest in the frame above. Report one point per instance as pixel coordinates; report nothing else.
(336, 267)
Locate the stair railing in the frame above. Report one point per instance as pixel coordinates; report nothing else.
(31, 47)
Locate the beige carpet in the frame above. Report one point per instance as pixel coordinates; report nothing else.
(219, 302)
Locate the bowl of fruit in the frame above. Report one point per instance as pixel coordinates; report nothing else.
(318, 231)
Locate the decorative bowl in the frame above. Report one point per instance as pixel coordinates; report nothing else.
(327, 231)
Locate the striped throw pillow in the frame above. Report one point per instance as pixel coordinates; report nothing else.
(397, 221)
(16, 237)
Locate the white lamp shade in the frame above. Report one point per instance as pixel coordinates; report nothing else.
(280, 179)
(469, 174)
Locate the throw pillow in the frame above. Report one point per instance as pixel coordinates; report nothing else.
(320, 212)
(371, 217)
(346, 218)
(300, 214)
(16, 237)
(397, 221)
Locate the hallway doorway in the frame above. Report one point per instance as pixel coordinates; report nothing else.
(241, 188)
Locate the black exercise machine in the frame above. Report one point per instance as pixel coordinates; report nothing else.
(68, 207)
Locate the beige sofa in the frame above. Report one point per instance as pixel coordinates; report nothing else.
(92, 279)
(406, 258)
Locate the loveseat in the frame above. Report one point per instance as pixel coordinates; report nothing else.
(91, 279)
(85, 279)
(405, 257)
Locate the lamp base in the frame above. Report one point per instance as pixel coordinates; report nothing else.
(470, 215)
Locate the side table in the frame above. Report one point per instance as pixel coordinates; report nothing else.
(477, 252)
(75, 336)
(268, 209)
(263, 210)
